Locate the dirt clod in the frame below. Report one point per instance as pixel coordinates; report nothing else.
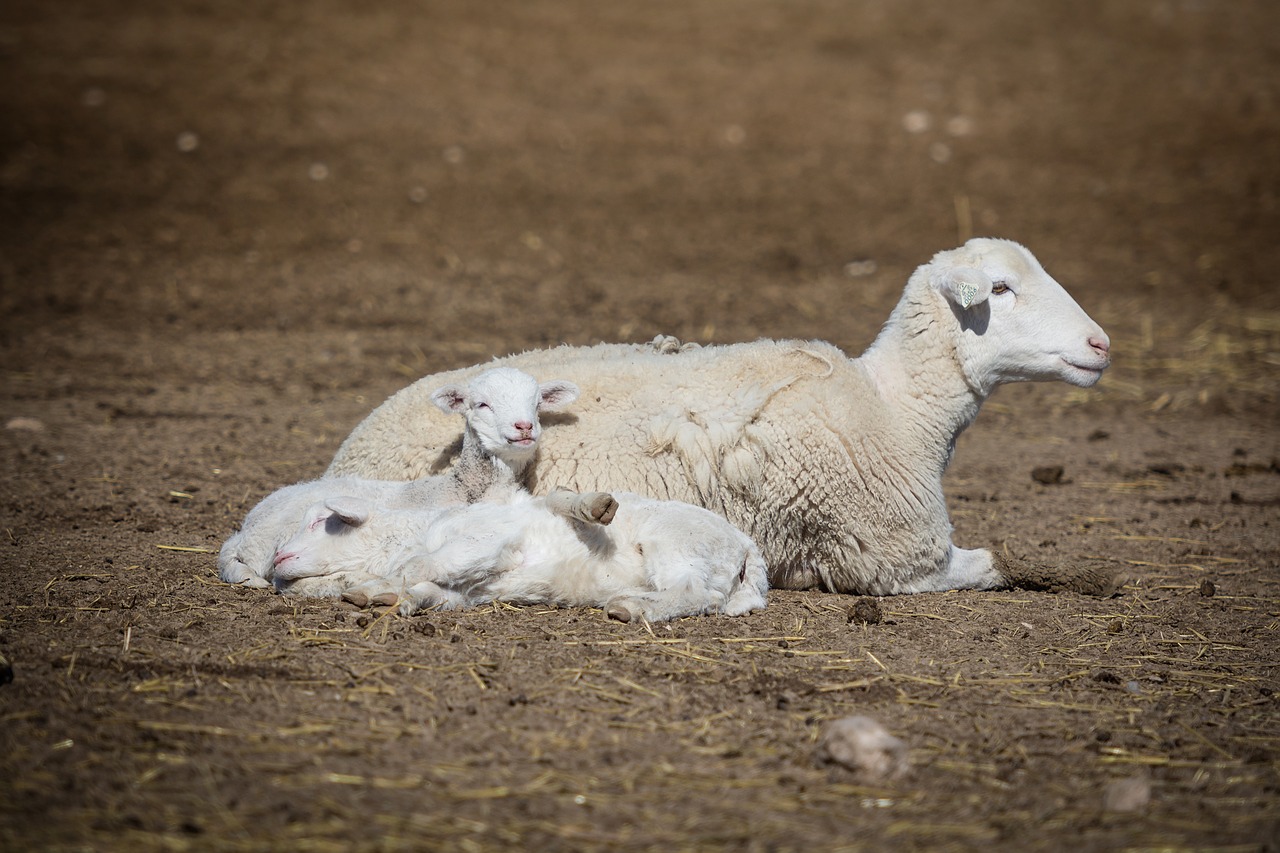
(1049, 475)
(866, 611)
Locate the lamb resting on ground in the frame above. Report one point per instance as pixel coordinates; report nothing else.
(500, 409)
(833, 465)
(656, 560)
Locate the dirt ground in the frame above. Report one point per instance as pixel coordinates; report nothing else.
(230, 229)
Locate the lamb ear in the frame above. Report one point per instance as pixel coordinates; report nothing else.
(450, 399)
(555, 395)
(965, 286)
(352, 512)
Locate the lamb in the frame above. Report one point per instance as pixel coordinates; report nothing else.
(656, 560)
(500, 410)
(832, 464)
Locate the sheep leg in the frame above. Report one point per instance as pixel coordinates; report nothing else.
(430, 596)
(666, 604)
(591, 507)
(237, 571)
(966, 569)
(375, 591)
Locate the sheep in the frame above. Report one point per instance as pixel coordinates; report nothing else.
(832, 464)
(501, 428)
(656, 560)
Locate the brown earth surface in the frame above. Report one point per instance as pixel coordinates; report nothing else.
(231, 229)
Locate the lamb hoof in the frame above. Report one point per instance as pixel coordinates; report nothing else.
(619, 612)
(359, 599)
(665, 344)
(602, 508)
(385, 599)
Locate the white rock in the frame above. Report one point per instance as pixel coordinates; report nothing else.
(865, 747)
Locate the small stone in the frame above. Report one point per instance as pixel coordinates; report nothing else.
(860, 269)
(959, 125)
(916, 121)
(1115, 626)
(188, 142)
(1049, 475)
(864, 746)
(27, 424)
(1207, 588)
(867, 611)
(1127, 795)
(425, 628)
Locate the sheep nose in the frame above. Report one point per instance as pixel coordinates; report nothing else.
(1102, 345)
(523, 426)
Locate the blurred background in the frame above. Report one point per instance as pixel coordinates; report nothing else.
(332, 198)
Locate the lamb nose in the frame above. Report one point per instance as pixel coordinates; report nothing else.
(1101, 345)
(523, 426)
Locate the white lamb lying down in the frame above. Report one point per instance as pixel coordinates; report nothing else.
(501, 427)
(658, 560)
(833, 464)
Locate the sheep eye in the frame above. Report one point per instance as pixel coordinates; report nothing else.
(482, 405)
(1000, 287)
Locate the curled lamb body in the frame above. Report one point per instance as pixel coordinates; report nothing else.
(501, 427)
(658, 560)
(833, 465)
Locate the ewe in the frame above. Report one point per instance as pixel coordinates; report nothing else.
(833, 465)
(657, 560)
(500, 409)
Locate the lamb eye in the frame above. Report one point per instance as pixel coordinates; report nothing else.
(1000, 287)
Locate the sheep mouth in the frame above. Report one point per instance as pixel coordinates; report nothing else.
(1084, 374)
(1096, 367)
(522, 442)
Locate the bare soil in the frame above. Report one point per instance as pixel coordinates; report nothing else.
(231, 229)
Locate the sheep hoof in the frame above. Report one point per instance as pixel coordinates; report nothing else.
(385, 599)
(602, 508)
(359, 599)
(617, 610)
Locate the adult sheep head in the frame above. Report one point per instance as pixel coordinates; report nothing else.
(1015, 322)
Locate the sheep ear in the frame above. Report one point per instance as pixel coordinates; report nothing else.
(555, 395)
(965, 286)
(450, 399)
(352, 512)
